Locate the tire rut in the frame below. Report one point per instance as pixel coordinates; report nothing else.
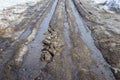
(73, 60)
(12, 66)
(56, 44)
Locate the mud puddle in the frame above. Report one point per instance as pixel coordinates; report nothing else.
(67, 33)
(68, 41)
(32, 64)
(96, 55)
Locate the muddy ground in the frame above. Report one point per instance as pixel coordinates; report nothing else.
(60, 40)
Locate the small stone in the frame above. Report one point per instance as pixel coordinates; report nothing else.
(48, 38)
(46, 42)
(55, 44)
(52, 52)
(46, 56)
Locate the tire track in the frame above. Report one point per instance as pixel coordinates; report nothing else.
(72, 60)
(99, 67)
(12, 67)
(56, 45)
(32, 61)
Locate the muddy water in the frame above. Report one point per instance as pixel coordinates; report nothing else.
(32, 64)
(96, 55)
(67, 33)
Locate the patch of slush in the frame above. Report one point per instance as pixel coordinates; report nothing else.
(9, 3)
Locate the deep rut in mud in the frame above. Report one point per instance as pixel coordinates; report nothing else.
(57, 45)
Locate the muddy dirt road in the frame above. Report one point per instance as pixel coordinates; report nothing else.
(56, 45)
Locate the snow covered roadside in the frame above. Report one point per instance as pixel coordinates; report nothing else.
(113, 5)
(98, 1)
(9, 3)
(12, 12)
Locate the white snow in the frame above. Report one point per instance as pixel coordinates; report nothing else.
(9, 3)
(113, 5)
(99, 1)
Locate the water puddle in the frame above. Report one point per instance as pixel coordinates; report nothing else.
(67, 30)
(32, 64)
(96, 55)
(67, 35)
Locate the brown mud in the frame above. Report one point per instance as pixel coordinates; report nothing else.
(55, 43)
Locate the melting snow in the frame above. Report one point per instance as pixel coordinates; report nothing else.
(9, 3)
(99, 1)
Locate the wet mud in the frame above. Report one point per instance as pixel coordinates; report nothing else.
(54, 44)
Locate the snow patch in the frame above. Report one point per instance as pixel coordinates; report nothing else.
(113, 5)
(99, 1)
(8, 3)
